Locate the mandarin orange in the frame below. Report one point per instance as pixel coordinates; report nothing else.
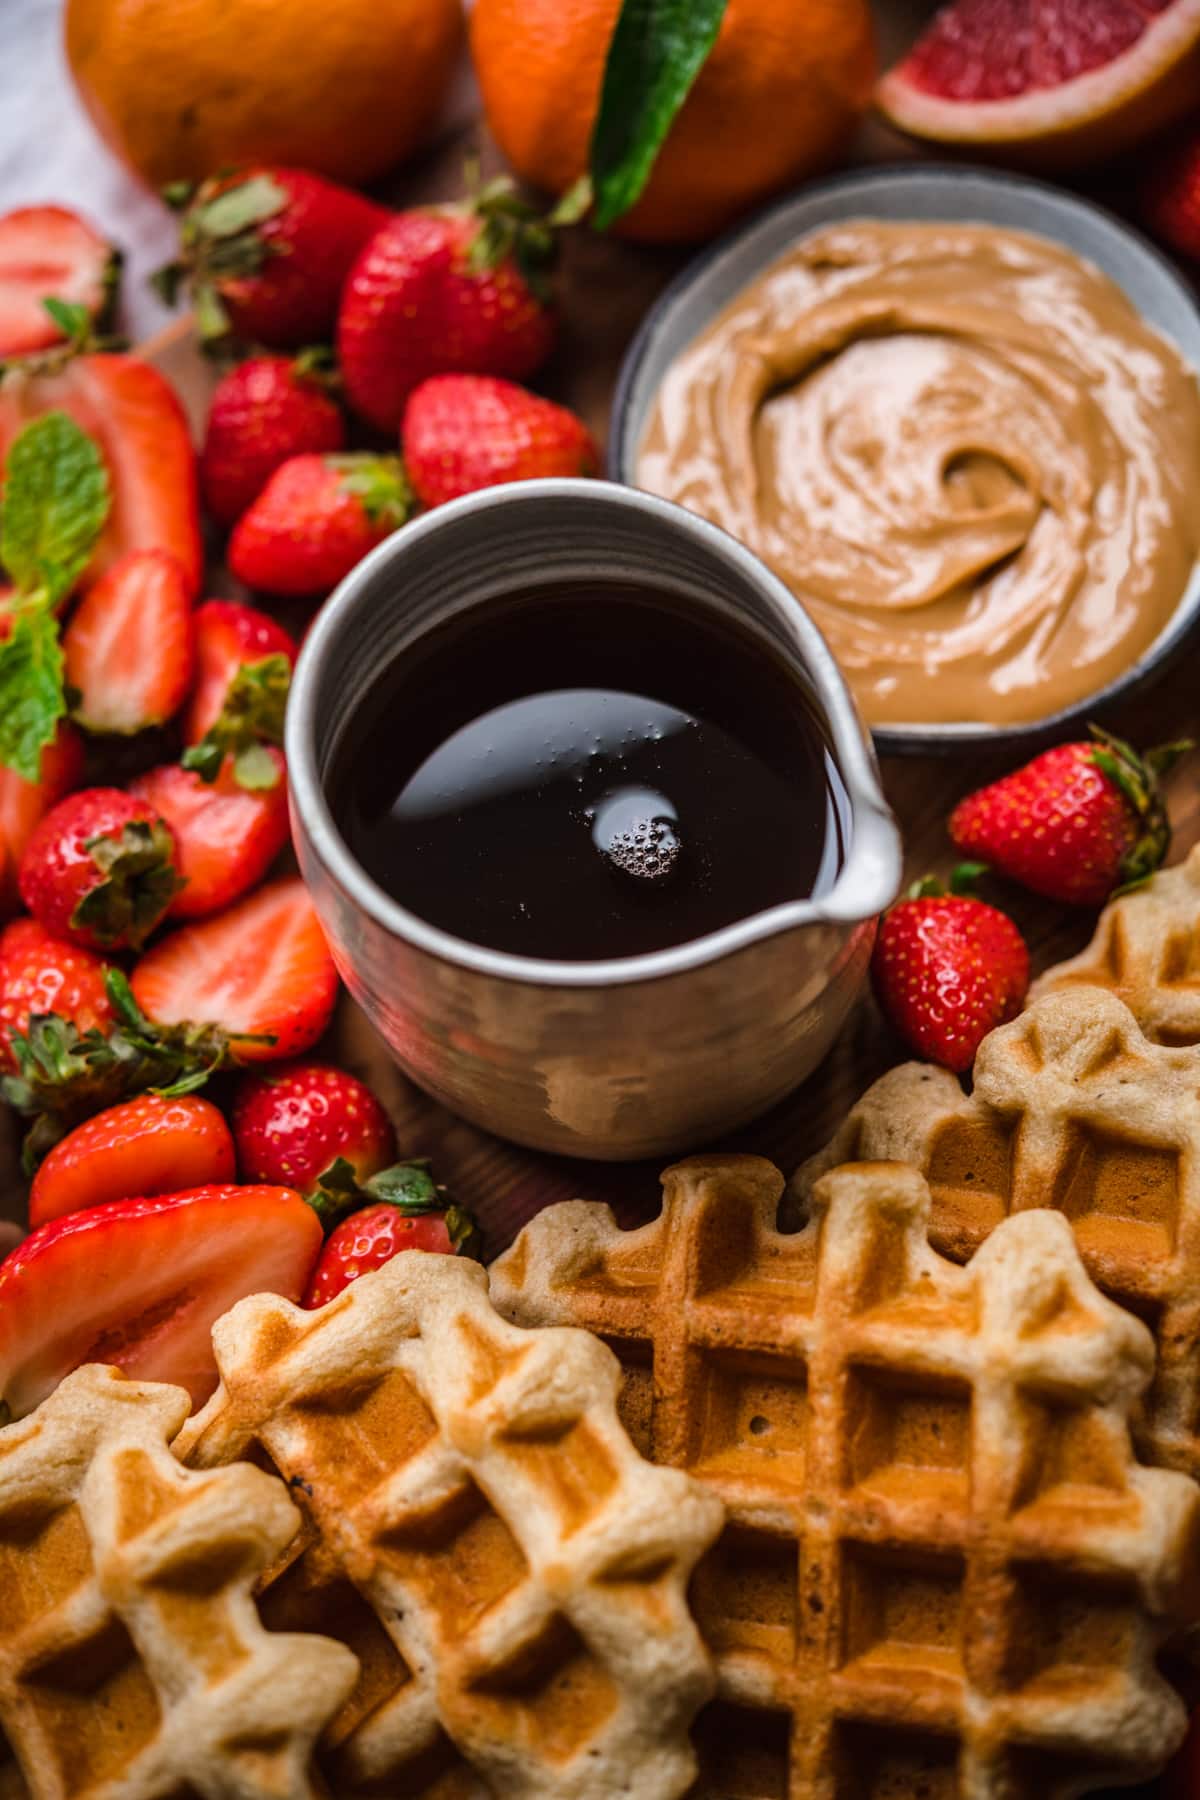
(345, 87)
(776, 100)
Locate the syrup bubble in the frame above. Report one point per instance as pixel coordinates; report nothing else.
(637, 832)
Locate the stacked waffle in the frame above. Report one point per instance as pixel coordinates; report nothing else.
(855, 1512)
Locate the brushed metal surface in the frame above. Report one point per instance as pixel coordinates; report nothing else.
(614, 1059)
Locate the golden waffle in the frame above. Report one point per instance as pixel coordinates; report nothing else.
(132, 1660)
(943, 1576)
(512, 1574)
(1146, 950)
(1071, 1109)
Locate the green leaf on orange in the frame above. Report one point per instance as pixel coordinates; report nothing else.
(656, 52)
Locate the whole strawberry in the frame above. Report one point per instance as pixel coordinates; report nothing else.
(947, 969)
(312, 1127)
(437, 292)
(419, 1216)
(100, 870)
(316, 518)
(263, 411)
(1171, 197)
(265, 252)
(1076, 822)
(40, 974)
(463, 432)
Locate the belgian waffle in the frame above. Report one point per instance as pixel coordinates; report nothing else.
(1072, 1109)
(132, 1660)
(943, 1576)
(480, 1530)
(1146, 950)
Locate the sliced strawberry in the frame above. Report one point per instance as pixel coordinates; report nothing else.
(49, 253)
(139, 1283)
(261, 973)
(229, 637)
(41, 974)
(148, 1145)
(23, 804)
(133, 414)
(226, 835)
(129, 645)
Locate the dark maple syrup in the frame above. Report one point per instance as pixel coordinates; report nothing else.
(586, 773)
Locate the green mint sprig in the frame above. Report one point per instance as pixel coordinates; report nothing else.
(56, 500)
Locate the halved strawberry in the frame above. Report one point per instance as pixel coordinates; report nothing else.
(50, 253)
(261, 974)
(138, 1283)
(133, 414)
(23, 804)
(226, 835)
(243, 660)
(148, 1145)
(130, 645)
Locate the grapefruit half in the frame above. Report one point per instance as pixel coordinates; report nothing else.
(1056, 81)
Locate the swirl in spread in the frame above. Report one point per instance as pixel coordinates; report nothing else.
(963, 451)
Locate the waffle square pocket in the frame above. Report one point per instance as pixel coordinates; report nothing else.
(1072, 1109)
(132, 1659)
(944, 1573)
(481, 1532)
(1146, 951)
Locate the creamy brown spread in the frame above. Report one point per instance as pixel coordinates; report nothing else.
(961, 448)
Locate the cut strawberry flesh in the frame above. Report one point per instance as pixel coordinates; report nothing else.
(147, 1146)
(996, 49)
(129, 646)
(262, 968)
(47, 253)
(134, 415)
(226, 836)
(139, 1283)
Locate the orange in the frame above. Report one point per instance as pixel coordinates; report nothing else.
(780, 93)
(182, 88)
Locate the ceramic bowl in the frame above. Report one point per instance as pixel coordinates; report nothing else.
(925, 193)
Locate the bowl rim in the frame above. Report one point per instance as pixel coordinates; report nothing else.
(865, 885)
(941, 738)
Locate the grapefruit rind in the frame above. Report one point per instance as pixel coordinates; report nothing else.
(1147, 87)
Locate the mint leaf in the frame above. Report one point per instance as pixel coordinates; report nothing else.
(31, 692)
(656, 52)
(56, 500)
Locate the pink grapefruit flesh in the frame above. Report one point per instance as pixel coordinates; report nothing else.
(1058, 80)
